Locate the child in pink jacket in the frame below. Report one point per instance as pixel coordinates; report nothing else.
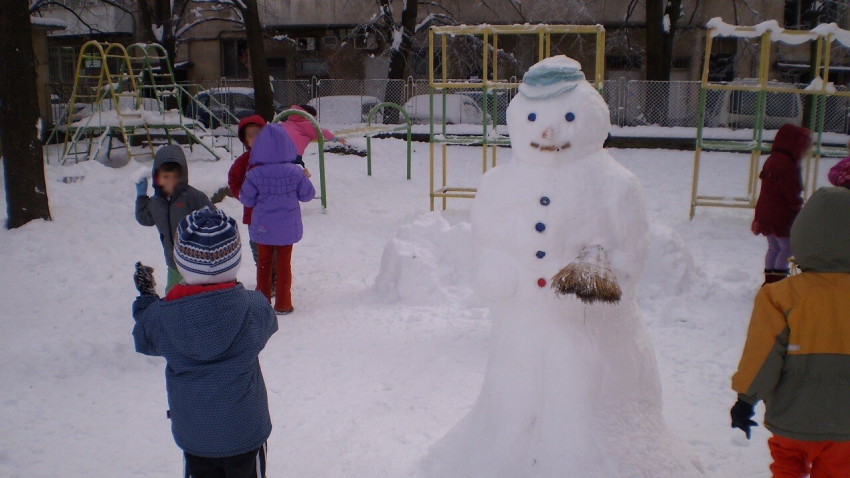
(302, 132)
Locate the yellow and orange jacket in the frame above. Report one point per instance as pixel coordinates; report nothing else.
(797, 354)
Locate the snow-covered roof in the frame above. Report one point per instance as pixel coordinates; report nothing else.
(830, 31)
(52, 23)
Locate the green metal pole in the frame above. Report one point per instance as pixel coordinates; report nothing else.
(368, 155)
(409, 147)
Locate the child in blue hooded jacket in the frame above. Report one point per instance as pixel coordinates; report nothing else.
(210, 330)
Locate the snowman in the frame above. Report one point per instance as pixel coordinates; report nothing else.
(572, 386)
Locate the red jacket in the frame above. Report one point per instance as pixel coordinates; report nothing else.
(236, 175)
(781, 184)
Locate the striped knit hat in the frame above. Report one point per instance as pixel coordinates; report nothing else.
(208, 250)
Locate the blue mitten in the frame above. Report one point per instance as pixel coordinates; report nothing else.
(142, 187)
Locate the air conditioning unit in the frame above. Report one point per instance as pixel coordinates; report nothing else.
(366, 41)
(330, 41)
(306, 44)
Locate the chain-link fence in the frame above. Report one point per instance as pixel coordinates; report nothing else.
(675, 103)
(632, 103)
(347, 102)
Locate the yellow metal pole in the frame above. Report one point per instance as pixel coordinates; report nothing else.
(431, 55)
(827, 53)
(486, 54)
(541, 45)
(698, 149)
(755, 153)
(443, 109)
(600, 58)
(431, 99)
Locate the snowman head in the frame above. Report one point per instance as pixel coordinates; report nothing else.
(557, 116)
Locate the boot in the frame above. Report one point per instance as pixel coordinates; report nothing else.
(774, 275)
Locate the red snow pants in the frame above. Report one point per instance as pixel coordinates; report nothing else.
(797, 459)
(282, 263)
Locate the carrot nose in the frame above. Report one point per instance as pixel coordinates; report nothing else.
(547, 133)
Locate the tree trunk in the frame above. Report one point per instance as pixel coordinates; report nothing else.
(263, 99)
(659, 54)
(23, 163)
(144, 31)
(164, 20)
(399, 56)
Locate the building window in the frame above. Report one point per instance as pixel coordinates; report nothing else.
(313, 67)
(623, 62)
(681, 63)
(235, 62)
(721, 67)
(62, 61)
(277, 67)
(804, 14)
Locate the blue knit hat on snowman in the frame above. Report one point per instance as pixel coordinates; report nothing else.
(551, 77)
(208, 249)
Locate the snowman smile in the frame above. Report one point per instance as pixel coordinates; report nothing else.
(550, 148)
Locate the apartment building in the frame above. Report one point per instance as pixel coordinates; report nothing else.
(342, 39)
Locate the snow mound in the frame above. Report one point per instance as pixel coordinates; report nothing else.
(671, 269)
(428, 262)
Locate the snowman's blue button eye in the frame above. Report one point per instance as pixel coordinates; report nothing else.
(532, 116)
(571, 116)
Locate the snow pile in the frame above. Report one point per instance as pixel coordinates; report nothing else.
(428, 262)
(792, 37)
(134, 118)
(818, 85)
(838, 34)
(55, 23)
(670, 270)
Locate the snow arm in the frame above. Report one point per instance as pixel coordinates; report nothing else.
(630, 239)
(495, 270)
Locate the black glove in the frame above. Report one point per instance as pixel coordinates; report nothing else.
(143, 277)
(742, 413)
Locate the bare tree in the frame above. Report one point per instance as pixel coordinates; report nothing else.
(23, 163)
(662, 16)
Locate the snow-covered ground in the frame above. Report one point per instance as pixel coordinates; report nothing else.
(362, 378)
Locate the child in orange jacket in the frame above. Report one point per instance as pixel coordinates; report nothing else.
(797, 355)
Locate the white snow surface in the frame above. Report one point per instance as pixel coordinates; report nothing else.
(48, 22)
(363, 379)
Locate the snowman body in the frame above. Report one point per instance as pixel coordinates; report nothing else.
(570, 389)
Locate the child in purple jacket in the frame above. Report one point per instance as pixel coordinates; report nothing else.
(273, 186)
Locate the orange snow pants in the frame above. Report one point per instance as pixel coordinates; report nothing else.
(797, 459)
